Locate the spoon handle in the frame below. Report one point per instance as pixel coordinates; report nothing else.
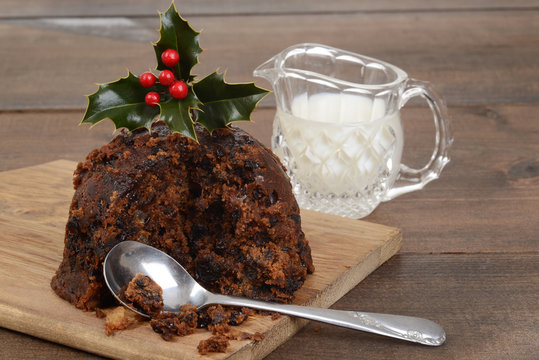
(407, 328)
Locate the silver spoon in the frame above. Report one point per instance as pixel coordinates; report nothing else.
(129, 258)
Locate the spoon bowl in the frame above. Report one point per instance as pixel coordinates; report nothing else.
(129, 258)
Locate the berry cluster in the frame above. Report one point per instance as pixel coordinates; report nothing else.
(176, 88)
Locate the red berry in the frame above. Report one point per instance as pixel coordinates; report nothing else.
(152, 98)
(178, 90)
(147, 79)
(170, 57)
(166, 77)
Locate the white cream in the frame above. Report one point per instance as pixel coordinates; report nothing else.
(341, 142)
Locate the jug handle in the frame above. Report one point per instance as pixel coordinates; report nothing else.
(409, 179)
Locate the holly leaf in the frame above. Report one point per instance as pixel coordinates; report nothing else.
(177, 114)
(211, 102)
(122, 101)
(178, 35)
(224, 103)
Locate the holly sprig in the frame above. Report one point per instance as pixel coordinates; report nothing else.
(174, 96)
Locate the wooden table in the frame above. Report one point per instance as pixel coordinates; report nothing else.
(470, 254)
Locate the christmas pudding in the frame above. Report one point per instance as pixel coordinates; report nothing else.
(180, 178)
(223, 207)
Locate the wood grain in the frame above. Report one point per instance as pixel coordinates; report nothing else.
(486, 303)
(40, 8)
(33, 208)
(472, 58)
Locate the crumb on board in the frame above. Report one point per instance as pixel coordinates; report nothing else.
(216, 343)
(119, 318)
(169, 324)
(145, 295)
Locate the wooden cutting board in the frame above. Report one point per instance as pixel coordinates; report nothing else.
(34, 205)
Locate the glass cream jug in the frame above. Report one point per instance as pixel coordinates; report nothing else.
(338, 130)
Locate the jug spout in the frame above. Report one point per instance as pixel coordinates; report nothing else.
(267, 70)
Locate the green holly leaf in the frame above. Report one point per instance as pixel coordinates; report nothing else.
(177, 114)
(224, 103)
(211, 102)
(178, 35)
(122, 101)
